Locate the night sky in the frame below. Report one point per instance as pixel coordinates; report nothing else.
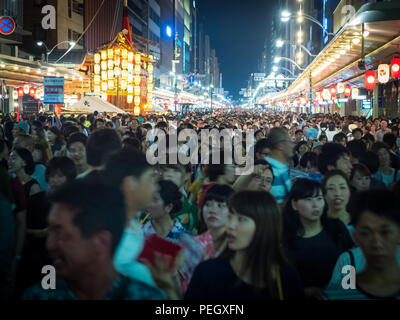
(237, 30)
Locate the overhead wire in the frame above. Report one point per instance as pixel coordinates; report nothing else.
(84, 32)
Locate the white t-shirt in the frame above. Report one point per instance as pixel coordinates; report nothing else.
(330, 134)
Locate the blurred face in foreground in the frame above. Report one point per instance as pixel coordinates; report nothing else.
(378, 238)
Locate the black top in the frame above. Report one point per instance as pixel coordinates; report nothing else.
(28, 186)
(315, 257)
(215, 279)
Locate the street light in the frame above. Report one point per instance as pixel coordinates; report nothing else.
(276, 68)
(278, 59)
(48, 52)
(280, 43)
(285, 17)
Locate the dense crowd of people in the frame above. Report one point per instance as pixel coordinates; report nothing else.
(78, 193)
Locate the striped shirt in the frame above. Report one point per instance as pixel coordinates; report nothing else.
(282, 183)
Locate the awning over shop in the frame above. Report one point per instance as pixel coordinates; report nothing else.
(339, 60)
(91, 104)
(17, 71)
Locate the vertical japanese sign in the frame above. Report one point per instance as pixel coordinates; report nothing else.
(54, 90)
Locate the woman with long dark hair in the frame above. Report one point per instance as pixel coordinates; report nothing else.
(213, 220)
(313, 241)
(254, 266)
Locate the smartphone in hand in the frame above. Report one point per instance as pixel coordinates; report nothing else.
(157, 244)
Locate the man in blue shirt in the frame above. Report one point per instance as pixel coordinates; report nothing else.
(86, 224)
(282, 150)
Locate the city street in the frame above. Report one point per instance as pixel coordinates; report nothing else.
(199, 151)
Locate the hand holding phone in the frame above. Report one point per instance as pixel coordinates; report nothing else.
(156, 245)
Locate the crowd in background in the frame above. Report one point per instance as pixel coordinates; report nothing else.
(78, 193)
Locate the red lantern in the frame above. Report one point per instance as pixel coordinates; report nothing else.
(395, 67)
(298, 101)
(370, 80)
(347, 90)
(32, 92)
(332, 90)
(20, 92)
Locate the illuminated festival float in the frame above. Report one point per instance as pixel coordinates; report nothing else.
(121, 74)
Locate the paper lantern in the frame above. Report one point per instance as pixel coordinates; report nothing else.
(103, 55)
(20, 92)
(129, 98)
(130, 78)
(130, 88)
(332, 90)
(137, 80)
(97, 58)
(97, 69)
(131, 56)
(383, 73)
(395, 67)
(124, 64)
(110, 74)
(104, 65)
(117, 72)
(97, 79)
(97, 90)
(104, 75)
(138, 69)
(26, 89)
(137, 90)
(326, 94)
(124, 74)
(137, 58)
(15, 94)
(354, 94)
(130, 67)
(150, 68)
(137, 100)
(111, 84)
(124, 84)
(104, 86)
(347, 90)
(110, 53)
(117, 61)
(136, 111)
(370, 80)
(340, 87)
(303, 101)
(110, 64)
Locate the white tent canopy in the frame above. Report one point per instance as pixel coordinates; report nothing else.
(93, 103)
(155, 108)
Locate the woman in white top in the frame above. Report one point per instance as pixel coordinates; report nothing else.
(331, 131)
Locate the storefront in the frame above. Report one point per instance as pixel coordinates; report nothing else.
(17, 73)
(370, 39)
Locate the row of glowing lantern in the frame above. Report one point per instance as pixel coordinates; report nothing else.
(371, 77)
(383, 74)
(33, 92)
(334, 90)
